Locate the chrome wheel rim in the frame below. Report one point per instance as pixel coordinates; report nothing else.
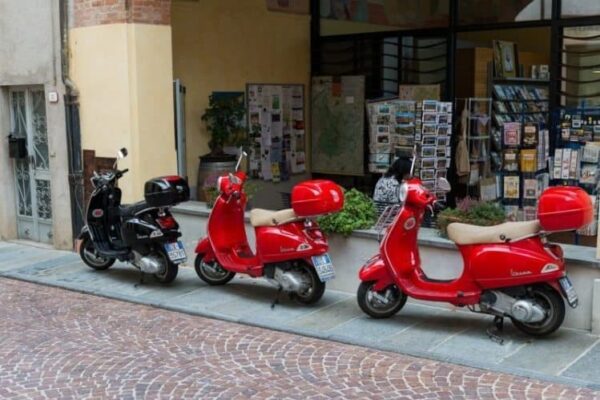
(384, 301)
(91, 256)
(213, 271)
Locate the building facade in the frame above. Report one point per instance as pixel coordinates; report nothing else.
(36, 201)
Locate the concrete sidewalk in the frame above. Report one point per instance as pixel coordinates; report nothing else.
(568, 356)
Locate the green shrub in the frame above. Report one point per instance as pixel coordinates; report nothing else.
(358, 213)
(471, 212)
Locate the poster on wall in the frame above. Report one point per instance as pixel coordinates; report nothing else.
(338, 107)
(289, 6)
(276, 131)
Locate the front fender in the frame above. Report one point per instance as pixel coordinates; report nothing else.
(375, 270)
(85, 231)
(203, 247)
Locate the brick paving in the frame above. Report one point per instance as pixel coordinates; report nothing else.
(61, 344)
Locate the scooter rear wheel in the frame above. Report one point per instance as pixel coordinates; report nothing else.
(554, 306)
(88, 254)
(316, 288)
(212, 273)
(170, 272)
(374, 303)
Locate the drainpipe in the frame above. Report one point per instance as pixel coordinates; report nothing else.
(76, 185)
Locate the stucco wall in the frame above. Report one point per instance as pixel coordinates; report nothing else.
(220, 45)
(27, 51)
(30, 55)
(124, 75)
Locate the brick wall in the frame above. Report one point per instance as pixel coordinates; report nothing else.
(99, 12)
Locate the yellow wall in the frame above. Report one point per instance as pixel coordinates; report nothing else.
(220, 45)
(124, 76)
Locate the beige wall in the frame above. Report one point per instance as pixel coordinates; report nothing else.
(220, 45)
(124, 75)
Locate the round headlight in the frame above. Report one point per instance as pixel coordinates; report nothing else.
(403, 192)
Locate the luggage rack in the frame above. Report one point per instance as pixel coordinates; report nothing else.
(386, 218)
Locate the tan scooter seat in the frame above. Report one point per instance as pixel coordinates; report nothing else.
(260, 217)
(472, 234)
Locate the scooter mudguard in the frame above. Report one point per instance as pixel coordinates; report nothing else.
(85, 231)
(203, 246)
(375, 270)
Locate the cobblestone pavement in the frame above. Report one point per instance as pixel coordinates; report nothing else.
(61, 344)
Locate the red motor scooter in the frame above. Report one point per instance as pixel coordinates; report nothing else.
(510, 270)
(291, 250)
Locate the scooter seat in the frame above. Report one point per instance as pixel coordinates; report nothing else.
(471, 234)
(129, 210)
(260, 217)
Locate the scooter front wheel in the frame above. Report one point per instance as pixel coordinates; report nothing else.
(90, 256)
(212, 272)
(382, 304)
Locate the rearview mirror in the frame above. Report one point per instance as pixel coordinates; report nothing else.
(122, 153)
(443, 185)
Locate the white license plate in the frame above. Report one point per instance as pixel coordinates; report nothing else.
(569, 291)
(176, 252)
(324, 267)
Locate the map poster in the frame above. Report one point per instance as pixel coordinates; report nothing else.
(338, 106)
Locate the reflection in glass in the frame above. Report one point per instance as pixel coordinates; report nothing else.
(580, 75)
(580, 8)
(397, 13)
(494, 11)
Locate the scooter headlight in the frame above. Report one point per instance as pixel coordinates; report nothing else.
(403, 192)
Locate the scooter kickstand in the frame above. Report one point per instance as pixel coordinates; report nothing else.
(276, 301)
(494, 330)
(141, 282)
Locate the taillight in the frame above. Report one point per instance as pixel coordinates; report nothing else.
(556, 250)
(166, 222)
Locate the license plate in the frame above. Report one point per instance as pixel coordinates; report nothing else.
(569, 291)
(324, 267)
(176, 252)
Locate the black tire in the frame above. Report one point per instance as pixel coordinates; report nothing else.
(553, 303)
(88, 254)
(212, 273)
(170, 272)
(316, 289)
(375, 308)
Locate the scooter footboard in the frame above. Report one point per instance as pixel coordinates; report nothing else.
(375, 270)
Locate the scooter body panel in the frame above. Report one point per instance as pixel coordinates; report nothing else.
(511, 264)
(287, 242)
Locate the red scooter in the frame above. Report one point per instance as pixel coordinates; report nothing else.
(510, 270)
(291, 250)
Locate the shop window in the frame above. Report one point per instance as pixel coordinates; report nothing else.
(495, 11)
(580, 8)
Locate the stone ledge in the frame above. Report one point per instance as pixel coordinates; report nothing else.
(427, 236)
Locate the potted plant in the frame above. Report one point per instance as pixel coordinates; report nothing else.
(224, 121)
(209, 189)
(359, 212)
(471, 211)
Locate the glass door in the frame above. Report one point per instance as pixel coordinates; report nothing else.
(32, 173)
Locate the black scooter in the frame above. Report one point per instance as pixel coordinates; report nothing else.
(144, 233)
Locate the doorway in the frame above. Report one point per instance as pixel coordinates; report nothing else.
(32, 172)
